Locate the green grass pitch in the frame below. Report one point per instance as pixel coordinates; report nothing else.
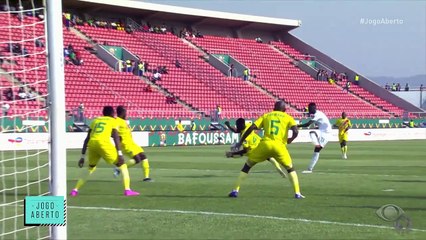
(188, 199)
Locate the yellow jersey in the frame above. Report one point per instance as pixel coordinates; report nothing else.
(275, 125)
(251, 141)
(343, 124)
(101, 128)
(124, 130)
(180, 127)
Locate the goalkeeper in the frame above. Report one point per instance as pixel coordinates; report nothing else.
(249, 144)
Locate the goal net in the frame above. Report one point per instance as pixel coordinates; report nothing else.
(24, 116)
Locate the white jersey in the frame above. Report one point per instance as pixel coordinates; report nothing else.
(322, 121)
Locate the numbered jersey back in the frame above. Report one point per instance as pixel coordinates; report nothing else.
(275, 125)
(101, 128)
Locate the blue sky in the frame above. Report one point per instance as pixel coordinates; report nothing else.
(334, 27)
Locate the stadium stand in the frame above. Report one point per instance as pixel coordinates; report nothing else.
(95, 78)
(357, 90)
(27, 62)
(276, 73)
(197, 82)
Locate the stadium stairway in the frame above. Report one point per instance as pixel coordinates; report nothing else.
(95, 78)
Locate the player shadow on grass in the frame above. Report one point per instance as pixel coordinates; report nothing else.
(197, 176)
(406, 181)
(373, 196)
(376, 207)
(184, 196)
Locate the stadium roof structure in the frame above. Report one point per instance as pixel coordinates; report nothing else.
(183, 14)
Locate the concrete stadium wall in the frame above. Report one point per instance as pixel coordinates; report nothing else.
(416, 98)
(30, 141)
(339, 67)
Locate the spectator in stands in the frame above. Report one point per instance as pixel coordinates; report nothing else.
(79, 21)
(177, 64)
(129, 65)
(22, 94)
(407, 88)
(78, 58)
(162, 69)
(170, 99)
(67, 19)
(1, 59)
(129, 29)
(31, 95)
(231, 70)
(81, 112)
(39, 43)
(398, 87)
(319, 73)
(258, 40)
(334, 75)
(421, 88)
(8, 94)
(246, 74)
(347, 86)
(141, 68)
(198, 34)
(5, 108)
(393, 88)
(40, 15)
(218, 112)
(411, 124)
(387, 87)
(156, 76)
(163, 28)
(20, 14)
(356, 78)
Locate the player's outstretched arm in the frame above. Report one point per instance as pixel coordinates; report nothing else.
(232, 129)
(307, 124)
(116, 139)
(295, 133)
(84, 149)
(245, 135)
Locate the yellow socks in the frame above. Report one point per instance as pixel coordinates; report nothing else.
(240, 179)
(277, 166)
(145, 167)
(83, 178)
(126, 176)
(295, 180)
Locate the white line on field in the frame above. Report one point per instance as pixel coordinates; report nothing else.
(239, 215)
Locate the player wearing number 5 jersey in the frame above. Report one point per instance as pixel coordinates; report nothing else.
(98, 141)
(276, 125)
(321, 139)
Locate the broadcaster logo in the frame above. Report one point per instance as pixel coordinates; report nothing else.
(395, 214)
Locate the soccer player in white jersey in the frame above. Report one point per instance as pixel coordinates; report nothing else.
(321, 139)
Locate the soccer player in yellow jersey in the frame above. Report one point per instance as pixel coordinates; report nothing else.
(343, 124)
(276, 125)
(98, 141)
(250, 143)
(129, 147)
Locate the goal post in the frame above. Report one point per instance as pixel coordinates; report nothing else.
(56, 103)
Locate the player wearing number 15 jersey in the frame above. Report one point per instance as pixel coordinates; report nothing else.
(276, 125)
(98, 141)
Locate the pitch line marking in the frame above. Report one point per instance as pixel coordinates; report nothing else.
(239, 215)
